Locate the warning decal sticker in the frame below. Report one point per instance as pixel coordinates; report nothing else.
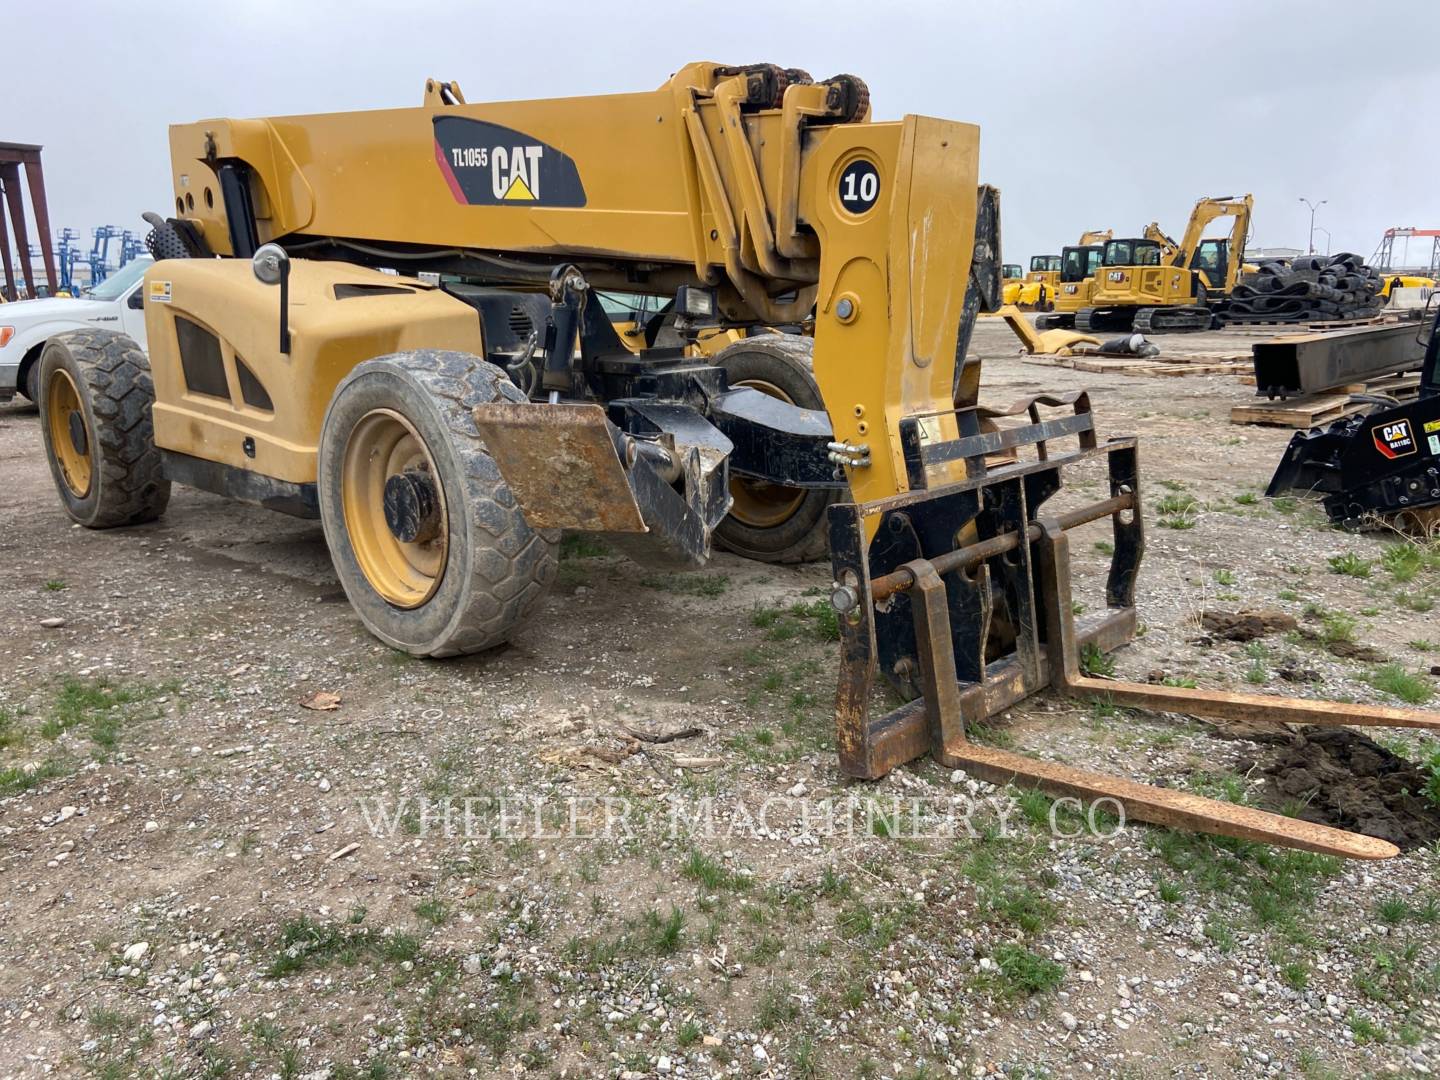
(1394, 439)
(160, 292)
(488, 165)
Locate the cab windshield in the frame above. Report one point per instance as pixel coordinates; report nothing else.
(1079, 263)
(119, 283)
(1044, 263)
(1011, 270)
(1132, 253)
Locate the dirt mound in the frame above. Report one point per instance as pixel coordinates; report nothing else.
(1245, 625)
(1342, 778)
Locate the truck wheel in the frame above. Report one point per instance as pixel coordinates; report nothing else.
(95, 409)
(770, 522)
(427, 539)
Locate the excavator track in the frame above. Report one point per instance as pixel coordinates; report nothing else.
(1103, 320)
(1173, 320)
(1062, 321)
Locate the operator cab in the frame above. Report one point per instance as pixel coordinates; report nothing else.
(1044, 263)
(1080, 262)
(1132, 253)
(1011, 271)
(1212, 258)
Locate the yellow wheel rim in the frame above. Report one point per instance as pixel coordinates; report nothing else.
(383, 445)
(758, 504)
(70, 436)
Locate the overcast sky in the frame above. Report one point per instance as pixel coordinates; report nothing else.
(1093, 114)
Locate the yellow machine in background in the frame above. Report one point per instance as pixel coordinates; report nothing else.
(1042, 283)
(445, 430)
(1078, 265)
(1152, 284)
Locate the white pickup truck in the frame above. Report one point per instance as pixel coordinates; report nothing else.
(117, 303)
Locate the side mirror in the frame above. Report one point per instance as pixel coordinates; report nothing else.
(269, 263)
(137, 300)
(271, 266)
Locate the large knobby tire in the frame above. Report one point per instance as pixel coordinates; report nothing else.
(95, 398)
(474, 571)
(768, 522)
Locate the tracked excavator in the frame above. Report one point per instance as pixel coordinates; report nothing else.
(445, 434)
(1152, 284)
(1042, 283)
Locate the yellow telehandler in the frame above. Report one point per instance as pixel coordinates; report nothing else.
(445, 434)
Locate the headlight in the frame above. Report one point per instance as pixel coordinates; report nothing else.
(6, 333)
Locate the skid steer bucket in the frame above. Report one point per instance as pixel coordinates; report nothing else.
(961, 593)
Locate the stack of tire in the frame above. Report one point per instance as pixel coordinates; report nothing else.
(1312, 288)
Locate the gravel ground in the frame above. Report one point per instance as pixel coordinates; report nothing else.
(203, 875)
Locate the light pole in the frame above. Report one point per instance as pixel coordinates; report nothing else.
(1322, 229)
(1313, 207)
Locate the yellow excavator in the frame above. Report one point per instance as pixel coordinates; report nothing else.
(444, 430)
(1152, 284)
(1042, 283)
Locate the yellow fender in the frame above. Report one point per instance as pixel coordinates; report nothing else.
(1043, 342)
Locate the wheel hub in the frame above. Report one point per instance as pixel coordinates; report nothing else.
(76, 425)
(412, 506)
(394, 508)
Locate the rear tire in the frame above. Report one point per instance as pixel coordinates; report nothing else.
(481, 571)
(95, 398)
(768, 522)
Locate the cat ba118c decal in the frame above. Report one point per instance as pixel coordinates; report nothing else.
(1394, 439)
(489, 165)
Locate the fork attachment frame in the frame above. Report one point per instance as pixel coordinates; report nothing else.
(962, 595)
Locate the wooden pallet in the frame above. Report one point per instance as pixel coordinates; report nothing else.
(1311, 324)
(1098, 365)
(1313, 410)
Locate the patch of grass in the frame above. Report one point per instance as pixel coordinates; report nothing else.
(688, 584)
(1095, 661)
(55, 585)
(1257, 674)
(1350, 565)
(1277, 885)
(1170, 892)
(775, 1007)
(100, 707)
(1177, 511)
(688, 1034)
(1023, 973)
(1104, 547)
(1392, 910)
(580, 545)
(711, 872)
(434, 911)
(1185, 682)
(1337, 627)
(1413, 689)
(1364, 1030)
(1295, 974)
(1403, 562)
(306, 943)
(1225, 577)
(662, 932)
(15, 780)
(1414, 601)
(1247, 498)
(816, 620)
(1422, 646)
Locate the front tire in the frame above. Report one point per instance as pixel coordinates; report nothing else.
(96, 400)
(427, 539)
(769, 522)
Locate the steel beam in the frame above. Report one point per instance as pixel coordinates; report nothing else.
(1309, 363)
